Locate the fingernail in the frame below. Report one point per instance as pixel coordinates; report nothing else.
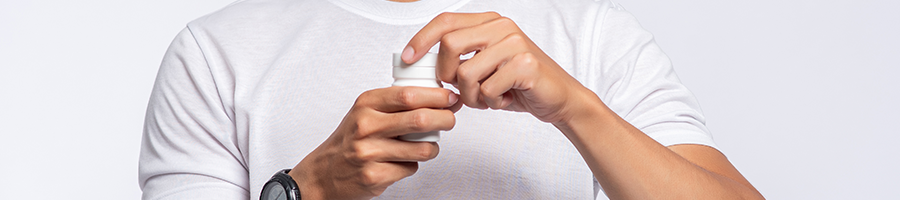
(453, 99)
(408, 54)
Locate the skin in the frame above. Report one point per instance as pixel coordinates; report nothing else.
(362, 157)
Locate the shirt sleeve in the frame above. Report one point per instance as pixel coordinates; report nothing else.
(635, 78)
(637, 81)
(189, 148)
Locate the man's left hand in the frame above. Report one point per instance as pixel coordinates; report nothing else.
(508, 71)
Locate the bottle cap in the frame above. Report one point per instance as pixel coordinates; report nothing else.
(421, 73)
(422, 69)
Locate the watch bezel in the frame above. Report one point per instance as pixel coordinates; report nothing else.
(282, 178)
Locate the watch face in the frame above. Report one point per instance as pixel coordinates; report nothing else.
(273, 191)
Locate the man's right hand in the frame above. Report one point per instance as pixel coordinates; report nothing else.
(363, 157)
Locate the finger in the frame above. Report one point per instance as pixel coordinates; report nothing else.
(391, 125)
(473, 72)
(440, 25)
(469, 76)
(396, 99)
(466, 40)
(519, 73)
(418, 121)
(394, 150)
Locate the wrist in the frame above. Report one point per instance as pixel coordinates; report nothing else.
(306, 182)
(584, 107)
(587, 115)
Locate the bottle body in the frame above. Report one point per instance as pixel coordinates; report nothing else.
(419, 74)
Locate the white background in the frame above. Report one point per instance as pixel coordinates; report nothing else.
(800, 94)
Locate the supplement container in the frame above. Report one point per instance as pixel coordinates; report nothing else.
(420, 74)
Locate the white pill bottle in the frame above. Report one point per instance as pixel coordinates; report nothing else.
(420, 74)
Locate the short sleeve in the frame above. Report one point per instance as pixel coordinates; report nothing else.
(189, 149)
(637, 81)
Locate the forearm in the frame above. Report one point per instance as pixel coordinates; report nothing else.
(630, 165)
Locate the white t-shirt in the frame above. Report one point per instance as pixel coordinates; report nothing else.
(256, 86)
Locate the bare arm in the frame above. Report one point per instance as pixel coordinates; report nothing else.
(631, 165)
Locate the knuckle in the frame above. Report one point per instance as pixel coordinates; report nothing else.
(427, 151)
(493, 14)
(370, 178)
(527, 59)
(445, 18)
(364, 154)
(505, 22)
(451, 42)
(353, 159)
(515, 38)
(419, 121)
(365, 127)
(423, 154)
(406, 96)
(359, 103)
(363, 99)
(465, 74)
(486, 90)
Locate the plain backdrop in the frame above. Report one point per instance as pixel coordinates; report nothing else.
(801, 95)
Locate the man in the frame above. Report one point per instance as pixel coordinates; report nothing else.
(590, 106)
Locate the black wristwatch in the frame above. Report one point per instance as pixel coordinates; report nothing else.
(280, 187)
